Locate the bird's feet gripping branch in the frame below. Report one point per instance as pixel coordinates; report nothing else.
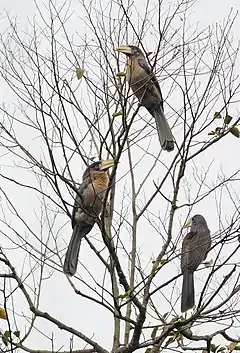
(87, 207)
(146, 88)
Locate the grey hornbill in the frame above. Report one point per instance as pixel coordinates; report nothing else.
(86, 209)
(146, 88)
(195, 247)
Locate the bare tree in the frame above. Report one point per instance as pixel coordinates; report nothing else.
(65, 104)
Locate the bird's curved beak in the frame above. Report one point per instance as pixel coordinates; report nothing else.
(106, 164)
(188, 223)
(125, 49)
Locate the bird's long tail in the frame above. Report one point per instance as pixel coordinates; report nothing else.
(188, 300)
(164, 132)
(71, 258)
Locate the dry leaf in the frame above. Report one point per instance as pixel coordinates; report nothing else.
(79, 73)
(3, 314)
(208, 263)
(232, 346)
(217, 115)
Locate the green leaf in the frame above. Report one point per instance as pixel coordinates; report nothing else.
(121, 74)
(163, 261)
(213, 347)
(5, 340)
(234, 130)
(218, 131)
(126, 295)
(227, 119)
(165, 315)
(155, 267)
(117, 114)
(7, 334)
(148, 350)
(154, 332)
(175, 319)
(5, 337)
(16, 333)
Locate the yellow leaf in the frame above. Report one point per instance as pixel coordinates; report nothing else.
(79, 73)
(3, 314)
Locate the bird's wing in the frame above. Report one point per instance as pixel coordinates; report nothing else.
(145, 66)
(195, 247)
(79, 199)
(89, 198)
(148, 70)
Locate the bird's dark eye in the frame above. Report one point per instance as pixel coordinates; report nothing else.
(97, 166)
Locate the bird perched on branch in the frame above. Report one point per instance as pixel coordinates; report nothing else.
(146, 88)
(87, 207)
(195, 247)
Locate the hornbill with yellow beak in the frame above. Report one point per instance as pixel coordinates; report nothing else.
(87, 207)
(195, 247)
(146, 88)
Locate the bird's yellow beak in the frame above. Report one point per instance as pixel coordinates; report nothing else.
(124, 49)
(108, 163)
(188, 223)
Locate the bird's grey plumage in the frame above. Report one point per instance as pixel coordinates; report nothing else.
(72, 254)
(195, 247)
(86, 209)
(164, 132)
(146, 88)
